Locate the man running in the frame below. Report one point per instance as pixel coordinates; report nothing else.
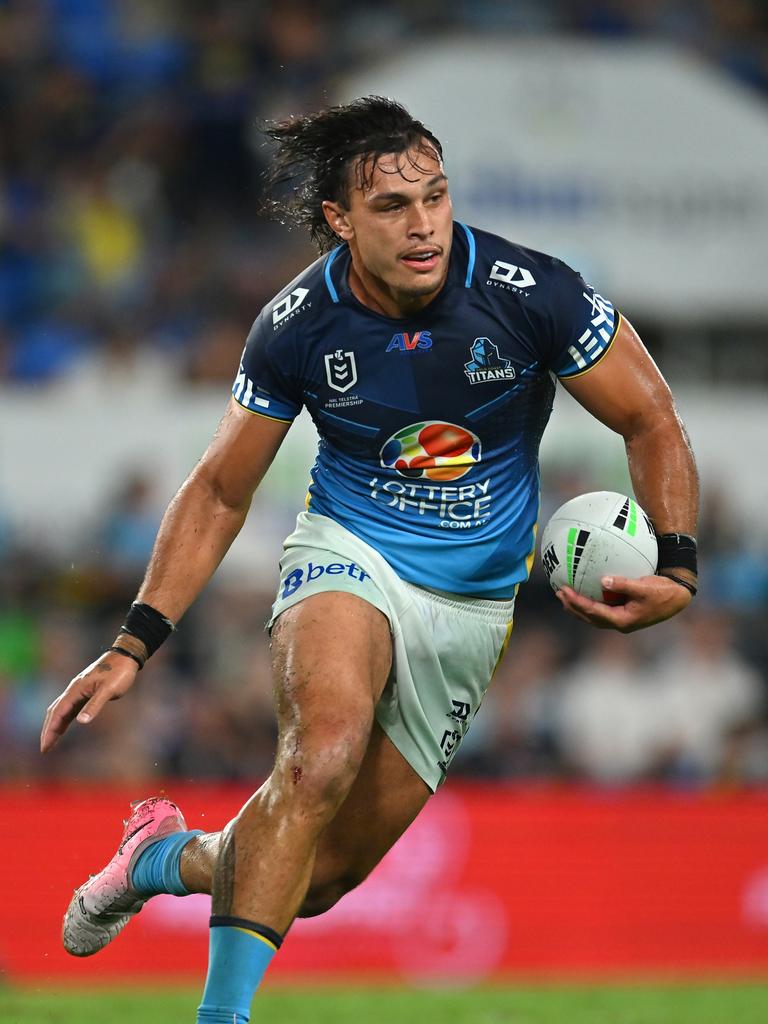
(425, 351)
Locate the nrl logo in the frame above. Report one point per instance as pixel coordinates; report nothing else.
(340, 370)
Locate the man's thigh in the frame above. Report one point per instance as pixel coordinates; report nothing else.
(332, 654)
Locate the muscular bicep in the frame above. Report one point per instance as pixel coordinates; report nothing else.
(240, 453)
(625, 390)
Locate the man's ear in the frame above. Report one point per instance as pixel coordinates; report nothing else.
(336, 216)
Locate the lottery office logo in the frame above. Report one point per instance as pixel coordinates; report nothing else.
(431, 455)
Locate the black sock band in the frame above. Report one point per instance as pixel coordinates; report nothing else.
(263, 930)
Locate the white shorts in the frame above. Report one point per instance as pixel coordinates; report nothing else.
(446, 647)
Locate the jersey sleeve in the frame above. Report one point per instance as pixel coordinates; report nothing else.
(260, 386)
(584, 325)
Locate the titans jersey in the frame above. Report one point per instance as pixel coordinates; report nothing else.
(430, 425)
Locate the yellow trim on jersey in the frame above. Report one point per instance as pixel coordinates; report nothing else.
(256, 935)
(529, 558)
(277, 419)
(573, 376)
(307, 500)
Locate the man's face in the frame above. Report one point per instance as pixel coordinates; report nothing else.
(399, 225)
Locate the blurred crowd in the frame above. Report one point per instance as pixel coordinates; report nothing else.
(683, 703)
(130, 154)
(130, 237)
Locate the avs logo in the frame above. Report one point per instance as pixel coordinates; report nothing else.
(288, 306)
(419, 341)
(511, 277)
(486, 364)
(341, 370)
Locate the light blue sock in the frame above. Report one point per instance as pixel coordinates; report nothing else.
(158, 867)
(237, 960)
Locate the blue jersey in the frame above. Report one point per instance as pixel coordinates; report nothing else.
(430, 425)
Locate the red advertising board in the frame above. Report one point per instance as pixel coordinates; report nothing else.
(490, 882)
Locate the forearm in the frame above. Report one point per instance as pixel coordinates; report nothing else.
(195, 534)
(664, 477)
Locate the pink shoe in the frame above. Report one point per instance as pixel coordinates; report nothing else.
(104, 905)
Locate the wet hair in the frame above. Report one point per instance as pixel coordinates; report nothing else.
(318, 155)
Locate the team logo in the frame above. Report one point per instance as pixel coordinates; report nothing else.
(285, 307)
(341, 370)
(510, 274)
(432, 450)
(421, 340)
(486, 364)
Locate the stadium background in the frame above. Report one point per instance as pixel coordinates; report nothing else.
(607, 813)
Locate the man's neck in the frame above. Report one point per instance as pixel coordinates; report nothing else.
(373, 293)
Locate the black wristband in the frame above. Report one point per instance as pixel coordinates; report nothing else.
(677, 551)
(148, 625)
(128, 654)
(683, 583)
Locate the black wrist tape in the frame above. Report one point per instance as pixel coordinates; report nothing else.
(148, 625)
(677, 551)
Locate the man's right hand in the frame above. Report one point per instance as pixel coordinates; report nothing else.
(107, 678)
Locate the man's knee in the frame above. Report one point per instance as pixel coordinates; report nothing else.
(317, 775)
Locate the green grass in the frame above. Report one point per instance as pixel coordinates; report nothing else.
(640, 1004)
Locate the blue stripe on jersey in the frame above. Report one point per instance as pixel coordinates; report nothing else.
(327, 273)
(472, 253)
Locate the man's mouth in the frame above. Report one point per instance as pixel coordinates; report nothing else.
(422, 259)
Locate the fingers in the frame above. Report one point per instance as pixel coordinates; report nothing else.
(594, 612)
(643, 602)
(106, 679)
(58, 717)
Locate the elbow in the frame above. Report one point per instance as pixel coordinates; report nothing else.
(218, 492)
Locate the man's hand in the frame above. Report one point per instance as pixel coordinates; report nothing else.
(647, 600)
(107, 678)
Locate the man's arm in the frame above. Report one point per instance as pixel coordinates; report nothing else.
(197, 530)
(627, 393)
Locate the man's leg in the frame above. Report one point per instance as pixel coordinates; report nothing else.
(331, 659)
(385, 798)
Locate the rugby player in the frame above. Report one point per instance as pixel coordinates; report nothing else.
(426, 352)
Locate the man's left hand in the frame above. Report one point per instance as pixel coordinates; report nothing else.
(647, 600)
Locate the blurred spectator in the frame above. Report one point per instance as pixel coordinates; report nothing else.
(708, 698)
(608, 713)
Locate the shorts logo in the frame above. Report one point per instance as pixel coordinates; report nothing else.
(289, 304)
(341, 370)
(486, 364)
(408, 343)
(432, 450)
(296, 579)
(508, 273)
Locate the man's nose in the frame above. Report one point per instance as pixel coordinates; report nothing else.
(419, 222)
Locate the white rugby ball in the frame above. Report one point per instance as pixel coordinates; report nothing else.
(594, 535)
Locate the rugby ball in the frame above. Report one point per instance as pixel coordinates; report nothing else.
(594, 535)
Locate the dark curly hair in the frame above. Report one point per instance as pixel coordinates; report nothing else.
(315, 154)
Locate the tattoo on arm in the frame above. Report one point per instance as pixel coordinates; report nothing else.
(224, 876)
